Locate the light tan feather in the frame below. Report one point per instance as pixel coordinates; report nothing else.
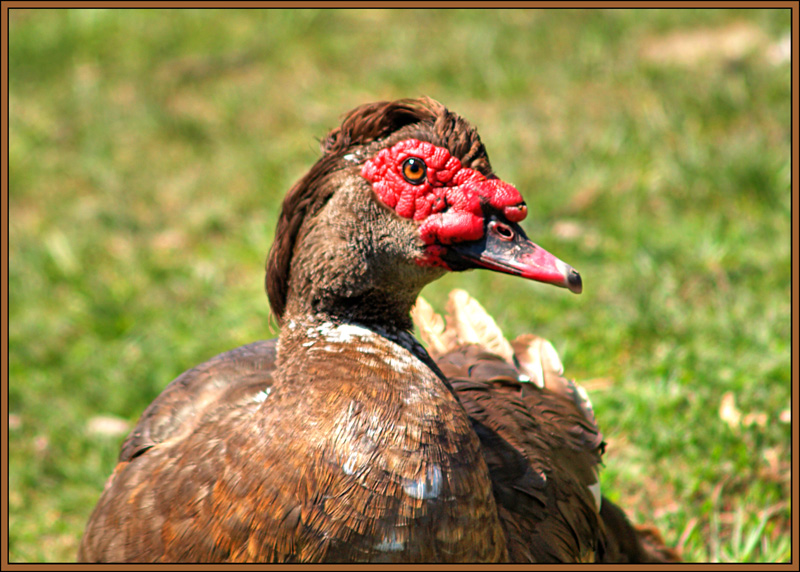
(431, 327)
(473, 325)
(539, 360)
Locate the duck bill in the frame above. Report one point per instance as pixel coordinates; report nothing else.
(505, 248)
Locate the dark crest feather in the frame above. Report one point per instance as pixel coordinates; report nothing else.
(369, 124)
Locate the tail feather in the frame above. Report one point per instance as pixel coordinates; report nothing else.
(472, 324)
(627, 543)
(467, 322)
(538, 359)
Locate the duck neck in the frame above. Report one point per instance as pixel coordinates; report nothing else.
(315, 332)
(381, 312)
(356, 262)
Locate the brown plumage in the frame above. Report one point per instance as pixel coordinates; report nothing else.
(343, 440)
(540, 440)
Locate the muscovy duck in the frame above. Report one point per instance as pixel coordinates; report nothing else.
(343, 440)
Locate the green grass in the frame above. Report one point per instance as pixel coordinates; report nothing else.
(149, 152)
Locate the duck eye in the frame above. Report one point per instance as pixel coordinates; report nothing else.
(414, 170)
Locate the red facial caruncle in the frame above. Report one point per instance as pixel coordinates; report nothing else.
(445, 196)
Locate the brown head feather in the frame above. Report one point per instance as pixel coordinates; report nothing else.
(363, 131)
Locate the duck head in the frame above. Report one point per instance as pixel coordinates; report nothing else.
(404, 192)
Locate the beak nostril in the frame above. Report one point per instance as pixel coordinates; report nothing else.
(503, 231)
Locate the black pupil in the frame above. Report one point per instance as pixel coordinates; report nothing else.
(414, 169)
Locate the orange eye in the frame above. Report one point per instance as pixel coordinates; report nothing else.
(414, 170)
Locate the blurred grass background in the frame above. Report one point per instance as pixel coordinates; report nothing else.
(150, 150)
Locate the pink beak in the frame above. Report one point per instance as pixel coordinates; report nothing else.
(505, 248)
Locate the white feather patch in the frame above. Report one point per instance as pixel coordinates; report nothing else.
(427, 487)
(598, 498)
(261, 396)
(390, 543)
